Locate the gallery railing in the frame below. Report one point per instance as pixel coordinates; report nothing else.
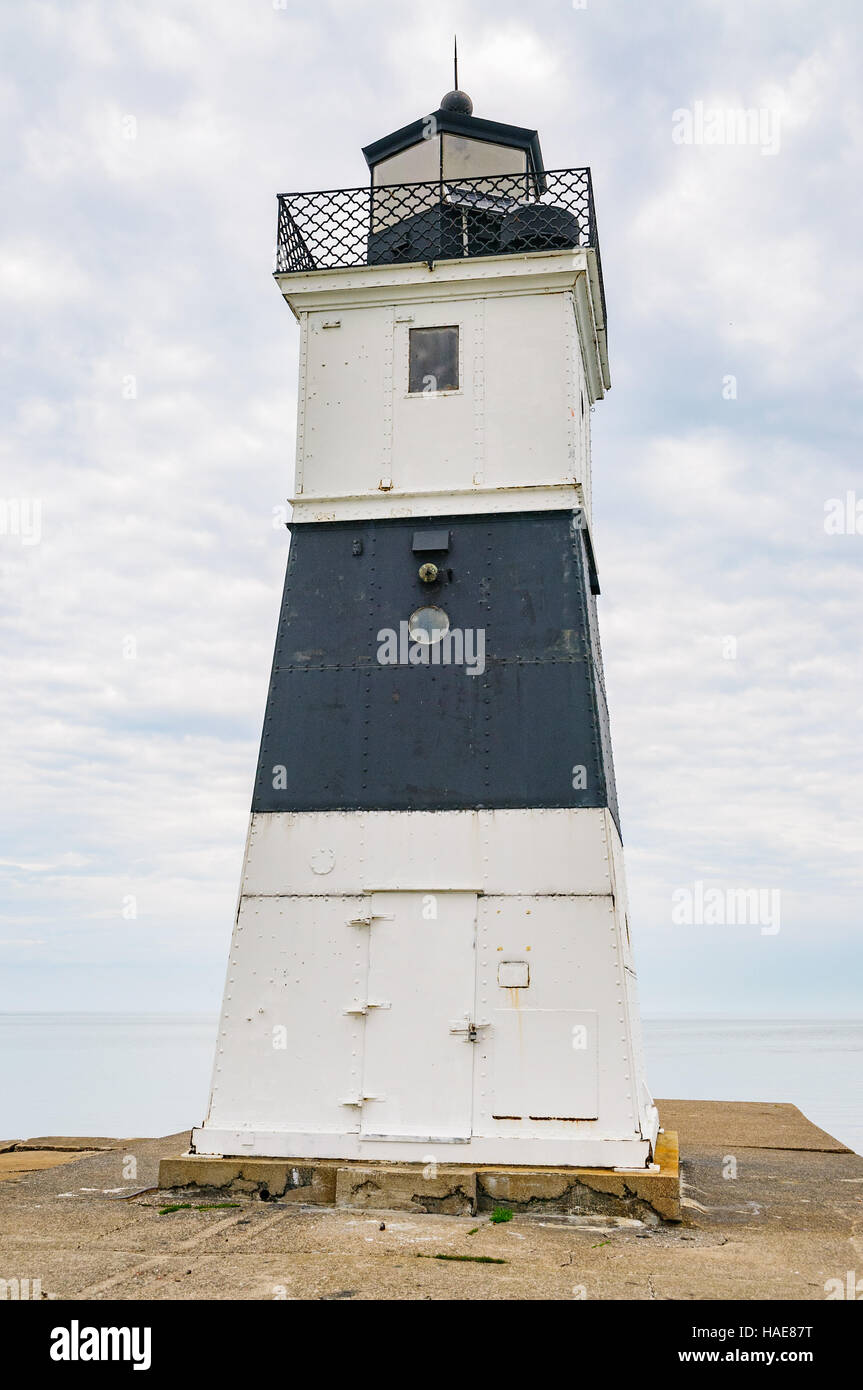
(501, 215)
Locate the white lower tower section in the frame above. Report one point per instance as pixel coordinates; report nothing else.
(453, 985)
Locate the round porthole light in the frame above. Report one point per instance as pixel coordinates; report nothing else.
(428, 625)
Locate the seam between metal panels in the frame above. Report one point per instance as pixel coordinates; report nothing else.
(300, 462)
(480, 892)
(479, 393)
(371, 667)
(579, 558)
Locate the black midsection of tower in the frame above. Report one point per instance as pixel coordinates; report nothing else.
(511, 713)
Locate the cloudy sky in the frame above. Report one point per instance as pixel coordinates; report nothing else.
(149, 399)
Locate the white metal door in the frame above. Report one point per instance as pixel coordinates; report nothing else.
(418, 1053)
(290, 1037)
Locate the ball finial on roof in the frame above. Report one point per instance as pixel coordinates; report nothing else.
(458, 102)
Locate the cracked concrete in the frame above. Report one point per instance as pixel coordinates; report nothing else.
(448, 1188)
(787, 1222)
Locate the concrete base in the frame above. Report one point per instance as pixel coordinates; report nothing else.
(448, 1189)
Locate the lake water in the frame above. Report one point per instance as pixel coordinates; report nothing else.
(147, 1074)
(816, 1064)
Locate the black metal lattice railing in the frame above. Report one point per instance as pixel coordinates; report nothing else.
(445, 220)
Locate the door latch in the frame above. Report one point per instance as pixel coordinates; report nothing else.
(468, 1028)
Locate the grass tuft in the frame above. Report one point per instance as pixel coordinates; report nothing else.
(464, 1259)
(187, 1206)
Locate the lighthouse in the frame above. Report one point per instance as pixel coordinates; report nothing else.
(431, 953)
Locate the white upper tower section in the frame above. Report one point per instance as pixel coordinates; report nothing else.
(452, 327)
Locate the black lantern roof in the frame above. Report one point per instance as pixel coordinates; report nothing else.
(449, 121)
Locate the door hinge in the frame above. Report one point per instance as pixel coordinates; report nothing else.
(365, 919)
(369, 1004)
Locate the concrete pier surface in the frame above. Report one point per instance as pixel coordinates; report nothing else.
(772, 1208)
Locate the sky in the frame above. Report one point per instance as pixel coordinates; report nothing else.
(149, 396)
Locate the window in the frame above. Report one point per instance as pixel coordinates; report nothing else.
(428, 625)
(433, 360)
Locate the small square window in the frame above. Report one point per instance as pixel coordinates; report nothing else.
(433, 360)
